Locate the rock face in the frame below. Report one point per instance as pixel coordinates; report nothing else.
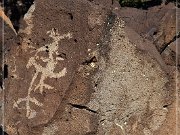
(138, 87)
(158, 24)
(8, 34)
(53, 41)
(77, 68)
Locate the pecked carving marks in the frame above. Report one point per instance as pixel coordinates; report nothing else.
(47, 71)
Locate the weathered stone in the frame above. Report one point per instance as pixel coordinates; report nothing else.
(7, 35)
(146, 46)
(131, 90)
(63, 80)
(157, 24)
(53, 41)
(167, 30)
(171, 52)
(74, 121)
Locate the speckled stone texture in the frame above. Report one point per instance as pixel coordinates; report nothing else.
(81, 67)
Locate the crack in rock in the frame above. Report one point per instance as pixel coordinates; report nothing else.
(172, 40)
(82, 107)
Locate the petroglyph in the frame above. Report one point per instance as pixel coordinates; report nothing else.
(44, 72)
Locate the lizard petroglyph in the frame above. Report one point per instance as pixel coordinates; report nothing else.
(45, 72)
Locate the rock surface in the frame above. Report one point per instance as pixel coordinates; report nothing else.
(8, 34)
(44, 59)
(91, 70)
(158, 24)
(137, 84)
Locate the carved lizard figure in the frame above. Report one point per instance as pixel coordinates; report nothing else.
(45, 72)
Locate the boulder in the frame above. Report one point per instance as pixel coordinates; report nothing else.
(54, 39)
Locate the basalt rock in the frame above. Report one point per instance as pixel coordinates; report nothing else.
(76, 68)
(132, 87)
(158, 23)
(54, 39)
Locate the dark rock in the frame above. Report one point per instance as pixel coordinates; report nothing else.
(157, 24)
(171, 54)
(76, 68)
(54, 39)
